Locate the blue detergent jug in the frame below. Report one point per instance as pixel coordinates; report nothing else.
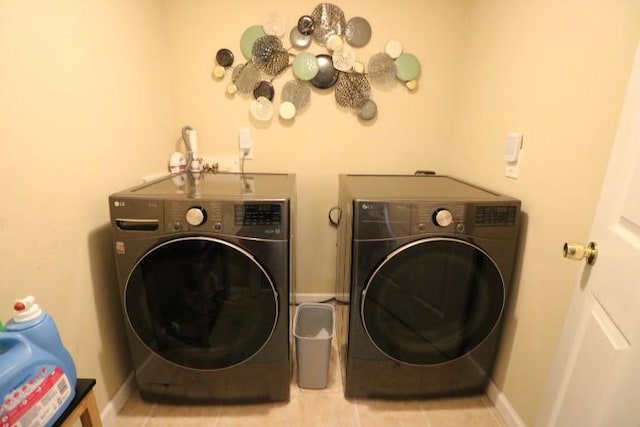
(37, 374)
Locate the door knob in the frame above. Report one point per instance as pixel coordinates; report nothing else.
(579, 251)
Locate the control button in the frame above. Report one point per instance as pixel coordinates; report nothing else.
(176, 225)
(422, 227)
(196, 216)
(217, 226)
(443, 217)
(460, 227)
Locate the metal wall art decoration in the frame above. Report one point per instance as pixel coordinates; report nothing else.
(339, 68)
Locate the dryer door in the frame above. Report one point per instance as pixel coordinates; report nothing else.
(201, 303)
(432, 301)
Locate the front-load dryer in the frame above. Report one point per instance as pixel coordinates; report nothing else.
(204, 265)
(424, 272)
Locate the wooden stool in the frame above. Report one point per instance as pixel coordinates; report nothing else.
(82, 407)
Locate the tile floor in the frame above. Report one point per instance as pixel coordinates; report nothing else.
(316, 408)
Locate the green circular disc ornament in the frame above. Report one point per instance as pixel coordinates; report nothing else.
(408, 67)
(305, 66)
(249, 37)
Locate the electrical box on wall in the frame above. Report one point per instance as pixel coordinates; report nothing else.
(513, 155)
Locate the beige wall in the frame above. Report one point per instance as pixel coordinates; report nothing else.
(84, 111)
(95, 93)
(555, 71)
(411, 132)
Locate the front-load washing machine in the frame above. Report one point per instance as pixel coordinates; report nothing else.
(204, 265)
(424, 270)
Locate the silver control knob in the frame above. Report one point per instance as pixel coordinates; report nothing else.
(195, 216)
(443, 217)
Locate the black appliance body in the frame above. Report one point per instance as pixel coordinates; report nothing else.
(424, 271)
(204, 265)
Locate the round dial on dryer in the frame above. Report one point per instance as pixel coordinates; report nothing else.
(442, 217)
(196, 216)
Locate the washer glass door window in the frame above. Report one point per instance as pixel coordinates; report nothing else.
(201, 303)
(432, 301)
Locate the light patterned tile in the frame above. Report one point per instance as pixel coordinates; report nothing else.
(473, 411)
(382, 413)
(322, 410)
(134, 413)
(263, 415)
(184, 415)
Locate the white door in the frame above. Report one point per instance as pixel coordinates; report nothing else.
(595, 380)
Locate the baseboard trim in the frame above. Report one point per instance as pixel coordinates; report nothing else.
(300, 298)
(503, 406)
(111, 410)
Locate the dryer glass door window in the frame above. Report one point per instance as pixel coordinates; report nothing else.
(201, 303)
(432, 301)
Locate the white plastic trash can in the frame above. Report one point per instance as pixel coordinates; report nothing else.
(313, 332)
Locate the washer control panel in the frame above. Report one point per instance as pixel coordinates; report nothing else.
(256, 219)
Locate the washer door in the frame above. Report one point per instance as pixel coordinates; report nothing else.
(201, 303)
(432, 301)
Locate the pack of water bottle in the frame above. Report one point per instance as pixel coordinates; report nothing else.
(37, 374)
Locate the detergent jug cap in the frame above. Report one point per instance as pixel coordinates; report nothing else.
(26, 309)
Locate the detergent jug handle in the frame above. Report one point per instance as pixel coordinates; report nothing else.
(13, 346)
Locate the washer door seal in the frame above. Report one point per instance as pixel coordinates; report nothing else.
(432, 301)
(201, 303)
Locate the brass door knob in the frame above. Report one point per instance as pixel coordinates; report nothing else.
(579, 251)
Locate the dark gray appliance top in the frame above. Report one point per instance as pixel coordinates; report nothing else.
(414, 187)
(228, 186)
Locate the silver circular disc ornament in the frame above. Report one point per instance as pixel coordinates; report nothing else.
(352, 90)
(306, 25)
(357, 32)
(275, 25)
(298, 39)
(382, 68)
(368, 110)
(408, 67)
(261, 109)
(269, 55)
(327, 74)
(329, 20)
(249, 37)
(246, 77)
(297, 92)
(344, 59)
(305, 66)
